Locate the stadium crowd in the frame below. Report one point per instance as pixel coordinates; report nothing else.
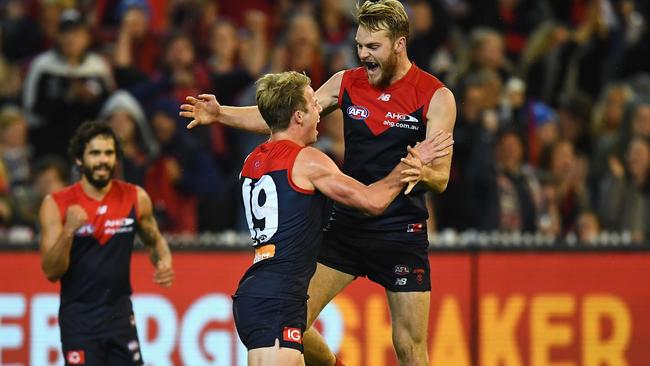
(553, 96)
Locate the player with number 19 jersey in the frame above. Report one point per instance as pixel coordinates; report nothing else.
(285, 223)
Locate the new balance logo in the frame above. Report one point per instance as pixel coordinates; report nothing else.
(400, 281)
(384, 97)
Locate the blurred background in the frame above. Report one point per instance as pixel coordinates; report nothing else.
(536, 245)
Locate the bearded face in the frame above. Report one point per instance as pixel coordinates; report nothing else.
(98, 162)
(99, 175)
(377, 54)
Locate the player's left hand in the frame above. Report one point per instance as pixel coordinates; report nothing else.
(433, 148)
(164, 273)
(414, 173)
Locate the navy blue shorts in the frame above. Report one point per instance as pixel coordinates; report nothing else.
(398, 266)
(260, 321)
(117, 347)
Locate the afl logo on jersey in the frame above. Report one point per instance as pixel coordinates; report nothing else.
(358, 112)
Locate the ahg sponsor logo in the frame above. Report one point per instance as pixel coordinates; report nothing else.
(358, 112)
(402, 117)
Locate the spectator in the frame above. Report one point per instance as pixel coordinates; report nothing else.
(179, 76)
(486, 51)
(430, 28)
(50, 174)
(625, 192)
(301, 50)
(16, 152)
(588, 230)
(574, 117)
(182, 176)
(506, 193)
(137, 49)
(569, 174)
(543, 130)
(65, 86)
(139, 146)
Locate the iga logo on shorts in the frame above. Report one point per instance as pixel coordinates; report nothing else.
(358, 112)
(292, 335)
(75, 357)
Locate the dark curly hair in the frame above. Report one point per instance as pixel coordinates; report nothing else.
(88, 131)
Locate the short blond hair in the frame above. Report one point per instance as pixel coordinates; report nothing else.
(279, 96)
(388, 15)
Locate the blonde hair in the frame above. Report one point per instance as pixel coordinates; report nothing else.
(388, 15)
(279, 95)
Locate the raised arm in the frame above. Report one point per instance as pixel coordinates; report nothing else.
(205, 109)
(56, 237)
(156, 244)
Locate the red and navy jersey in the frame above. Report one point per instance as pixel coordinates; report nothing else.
(378, 126)
(96, 287)
(285, 223)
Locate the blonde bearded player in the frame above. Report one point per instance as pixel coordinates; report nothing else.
(388, 103)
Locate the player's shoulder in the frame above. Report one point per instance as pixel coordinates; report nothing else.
(125, 191)
(67, 192)
(426, 80)
(313, 159)
(355, 74)
(126, 186)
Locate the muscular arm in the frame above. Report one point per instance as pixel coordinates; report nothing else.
(56, 241)
(441, 116)
(206, 110)
(156, 244)
(314, 169)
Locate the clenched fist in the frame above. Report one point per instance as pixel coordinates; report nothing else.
(75, 217)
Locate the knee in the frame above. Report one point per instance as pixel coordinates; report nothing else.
(410, 347)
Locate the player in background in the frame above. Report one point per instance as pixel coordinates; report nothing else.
(88, 233)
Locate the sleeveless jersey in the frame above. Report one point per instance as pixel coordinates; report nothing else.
(96, 287)
(378, 126)
(285, 223)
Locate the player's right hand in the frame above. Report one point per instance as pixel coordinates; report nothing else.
(75, 217)
(203, 110)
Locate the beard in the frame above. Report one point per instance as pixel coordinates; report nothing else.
(387, 72)
(99, 183)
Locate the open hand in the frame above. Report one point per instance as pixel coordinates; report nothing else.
(433, 148)
(203, 110)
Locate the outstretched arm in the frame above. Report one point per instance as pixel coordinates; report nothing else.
(159, 252)
(56, 237)
(205, 109)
